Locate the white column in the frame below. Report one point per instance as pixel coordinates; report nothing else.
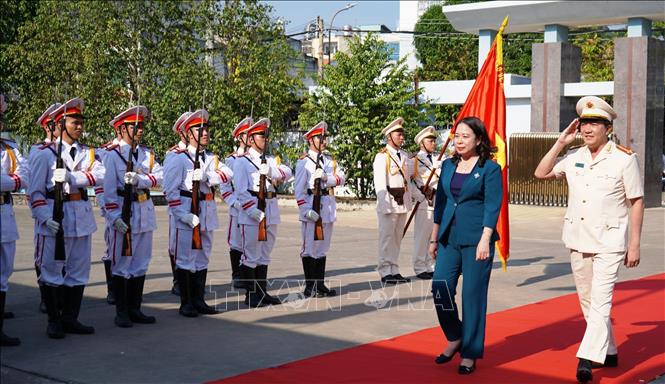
(485, 39)
(639, 26)
(555, 33)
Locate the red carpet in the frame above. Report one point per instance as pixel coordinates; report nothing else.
(531, 344)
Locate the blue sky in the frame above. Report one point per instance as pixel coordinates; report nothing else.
(299, 13)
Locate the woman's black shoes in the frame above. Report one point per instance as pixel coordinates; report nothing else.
(464, 370)
(442, 358)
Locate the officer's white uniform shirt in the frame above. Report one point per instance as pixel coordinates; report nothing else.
(424, 166)
(173, 150)
(15, 175)
(99, 191)
(85, 170)
(596, 220)
(230, 196)
(150, 175)
(305, 168)
(387, 166)
(178, 177)
(246, 178)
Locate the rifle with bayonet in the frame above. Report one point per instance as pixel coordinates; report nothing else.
(129, 193)
(59, 196)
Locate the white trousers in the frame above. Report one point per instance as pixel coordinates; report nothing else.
(234, 237)
(107, 255)
(135, 265)
(192, 260)
(74, 270)
(255, 252)
(423, 223)
(391, 227)
(7, 252)
(315, 248)
(595, 275)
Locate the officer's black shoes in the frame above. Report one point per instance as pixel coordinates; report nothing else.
(42, 303)
(261, 272)
(5, 340)
(425, 275)
(464, 370)
(70, 311)
(236, 280)
(75, 327)
(584, 374)
(120, 288)
(54, 330)
(134, 298)
(309, 268)
(401, 279)
(611, 361)
(175, 289)
(199, 290)
(110, 296)
(186, 293)
(388, 279)
(320, 270)
(253, 296)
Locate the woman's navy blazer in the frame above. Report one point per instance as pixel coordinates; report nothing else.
(477, 206)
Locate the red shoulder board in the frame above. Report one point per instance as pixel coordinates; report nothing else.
(625, 150)
(106, 144)
(180, 150)
(112, 147)
(304, 155)
(383, 150)
(172, 148)
(44, 146)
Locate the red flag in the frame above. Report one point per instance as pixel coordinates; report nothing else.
(487, 102)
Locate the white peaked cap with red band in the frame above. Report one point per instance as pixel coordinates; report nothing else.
(261, 126)
(45, 118)
(242, 127)
(131, 115)
(196, 118)
(318, 129)
(178, 123)
(70, 108)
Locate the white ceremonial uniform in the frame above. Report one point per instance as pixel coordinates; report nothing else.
(99, 196)
(423, 164)
(169, 154)
(14, 176)
(85, 170)
(234, 237)
(34, 149)
(595, 229)
(304, 189)
(177, 188)
(246, 179)
(391, 171)
(143, 220)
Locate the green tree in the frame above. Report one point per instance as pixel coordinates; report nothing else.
(359, 96)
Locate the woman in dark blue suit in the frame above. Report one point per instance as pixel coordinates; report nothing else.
(468, 200)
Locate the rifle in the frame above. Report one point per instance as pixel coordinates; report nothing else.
(261, 204)
(59, 198)
(196, 188)
(316, 201)
(129, 194)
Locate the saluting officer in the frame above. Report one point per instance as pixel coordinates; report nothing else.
(312, 167)
(182, 144)
(50, 134)
(424, 163)
(129, 268)
(392, 174)
(14, 176)
(239, 134)
(247, 171)
(602, 225)
(65, 280)
(179, 172)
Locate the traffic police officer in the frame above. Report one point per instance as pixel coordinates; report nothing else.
(14, 176)
(424, 163)
(239, 134)
(392, 174)
(312, 167)
(129, 270)
(603, 223)
(247, 171)
(65, 280)
(179, 173)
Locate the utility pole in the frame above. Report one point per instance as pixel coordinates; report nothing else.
(319, 27)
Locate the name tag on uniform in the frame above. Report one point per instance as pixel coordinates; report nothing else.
(579, 165)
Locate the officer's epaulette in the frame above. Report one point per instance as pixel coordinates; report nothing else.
(180, 150)
(112, 147)
(106, 144)
(625, 150)
(304, 155)
(45, 145)
(383, 150)
(145, 147)
(83, 146)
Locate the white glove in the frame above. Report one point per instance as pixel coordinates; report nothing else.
(264, 169)
(60, 175)
(131, 178)
(52, 226)
(237, 205)
(437, 163)
(312, 216)
(197, 174)
(256, 214)
(190, 219)
(320, 174)
(120, 226)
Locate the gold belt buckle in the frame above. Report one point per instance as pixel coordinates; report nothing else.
(141, 197)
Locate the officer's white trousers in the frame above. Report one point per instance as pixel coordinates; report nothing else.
(255, 252)
(422, 230)
(7, 252)
(595, 275)
(135, 265)
(74, 270)
(315, 248)
(234, 237)
(391, 227)
(192, 260)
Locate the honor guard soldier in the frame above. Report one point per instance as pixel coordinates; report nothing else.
(50, 134)
(256, 175)
(14, 176)
(234, 237)
(602, 225)
(424, 163)
(182, 144)
(65, 236)
(392, 175)
(314, 167)
(194, 220)
(99, 196)
(131, 171)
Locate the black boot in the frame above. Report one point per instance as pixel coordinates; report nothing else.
(236, 279)
(253, 297)
(42, 292)
(120, 291)
(321, 289)
(308, 269)
(71, 309)
(110, 297)
(185, 282)
(199, 279)
(54, 329)
(175, 289)
(262, 282)
(134, 298)
(584, 374)
(5, 340)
